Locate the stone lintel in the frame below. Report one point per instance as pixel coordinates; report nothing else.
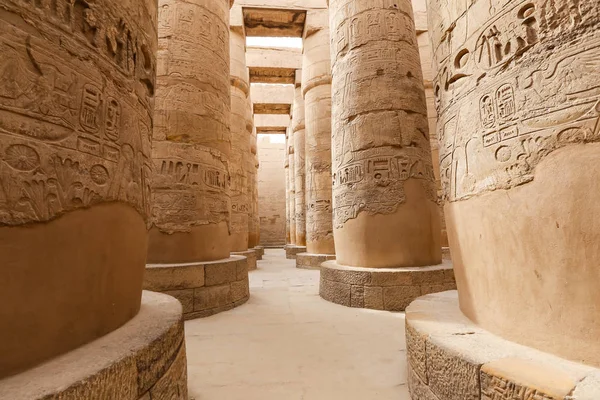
(451, 358)
(315, 21)
(312, 261)
(271, 94)
(274, 22)
(272, 108)
(292, 250)
(272, 75)
(203, 288)
(390, 289)
(145, 358)
(271, 123)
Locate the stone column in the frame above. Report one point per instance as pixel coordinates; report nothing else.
(240, 142)
(254, 228)
(286, 166)
(316, 87)
(298, 131)
(292, 186)
(76, 107)
(191, 151)
(384, 197)
(519, 127)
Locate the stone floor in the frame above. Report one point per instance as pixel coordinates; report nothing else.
(287, 343)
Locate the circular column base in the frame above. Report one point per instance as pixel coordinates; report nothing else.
(203, 288)
(449, 357)
(143, 359)
(312, 261)
(389, 289)
(260, 252)
(291, 250)
(446, 255)
(250, 255)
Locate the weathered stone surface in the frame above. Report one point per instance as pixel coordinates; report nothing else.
(192, 137)
(212, 297)
(336, 292)
(250, 256)
(298, 133)
(260, 250)
(454, 359)
(75, 116)
(274, 22)
(385, 211)
(357, 296)
(173, 384)
(316, 86)
(312, 261)
(185, 297)
(240, 290)
(518, 123)
(138, 357)
(239, 188)
(273, 65)
(163, 277)
(292, 250)
(391, 289)
(291, 194)
(219, 272)
(272, 191)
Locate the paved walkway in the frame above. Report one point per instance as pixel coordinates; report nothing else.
(287, 343)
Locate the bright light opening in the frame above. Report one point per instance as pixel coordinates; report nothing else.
(288, 42)
(273, 137)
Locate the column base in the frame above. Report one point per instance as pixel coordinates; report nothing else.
(312, 261)
(451, 358)
(291, 250)
(203, 288)
(251, 255)
(389, 289)
(143, 359)
(446, 253)
(260, 252)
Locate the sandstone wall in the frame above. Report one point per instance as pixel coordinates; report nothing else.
(271, 189)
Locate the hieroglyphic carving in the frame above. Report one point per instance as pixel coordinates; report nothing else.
(75, 110)
(499, 388)
(380, 129)
(190, 187)
(514, 90)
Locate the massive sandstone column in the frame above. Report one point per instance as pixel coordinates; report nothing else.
(189, 242)
(384, 198)
(517, 93)
(77, 83)
(286, 166)
(240, 143)
(519, 126)
(298, 132)
(316, 87)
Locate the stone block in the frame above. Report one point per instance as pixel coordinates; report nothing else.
(173, 384)
(240, 290)
(374, 297)
(336, 292)
(429, 276)
(357, 296)
(212, 297)
(185, 297)
(163, 277)
(124, 364)
(241, 268)
(397, 298)
(417, 388)
(397, 277)
(312, 261)
(511, 378)
(220, 272)
(416, 345)
(347, 275)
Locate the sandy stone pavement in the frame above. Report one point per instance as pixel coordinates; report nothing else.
(287, 343)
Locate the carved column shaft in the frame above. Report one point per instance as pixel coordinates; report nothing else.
(286, 165)
(519, 128)
(316, 85)
(241, 131)
(254, 229)
(292, 186)
(298, 129)
(385, 210)
(192, 139)
(76, 106)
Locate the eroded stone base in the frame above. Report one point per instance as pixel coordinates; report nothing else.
(390, 289)
(205, 288)
(446, 255)
(312, 261)
(260, 252)
(292, 250)
(250, 255)
(144, 359)
(450, 358)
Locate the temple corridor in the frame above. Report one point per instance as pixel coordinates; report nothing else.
(288, 343)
